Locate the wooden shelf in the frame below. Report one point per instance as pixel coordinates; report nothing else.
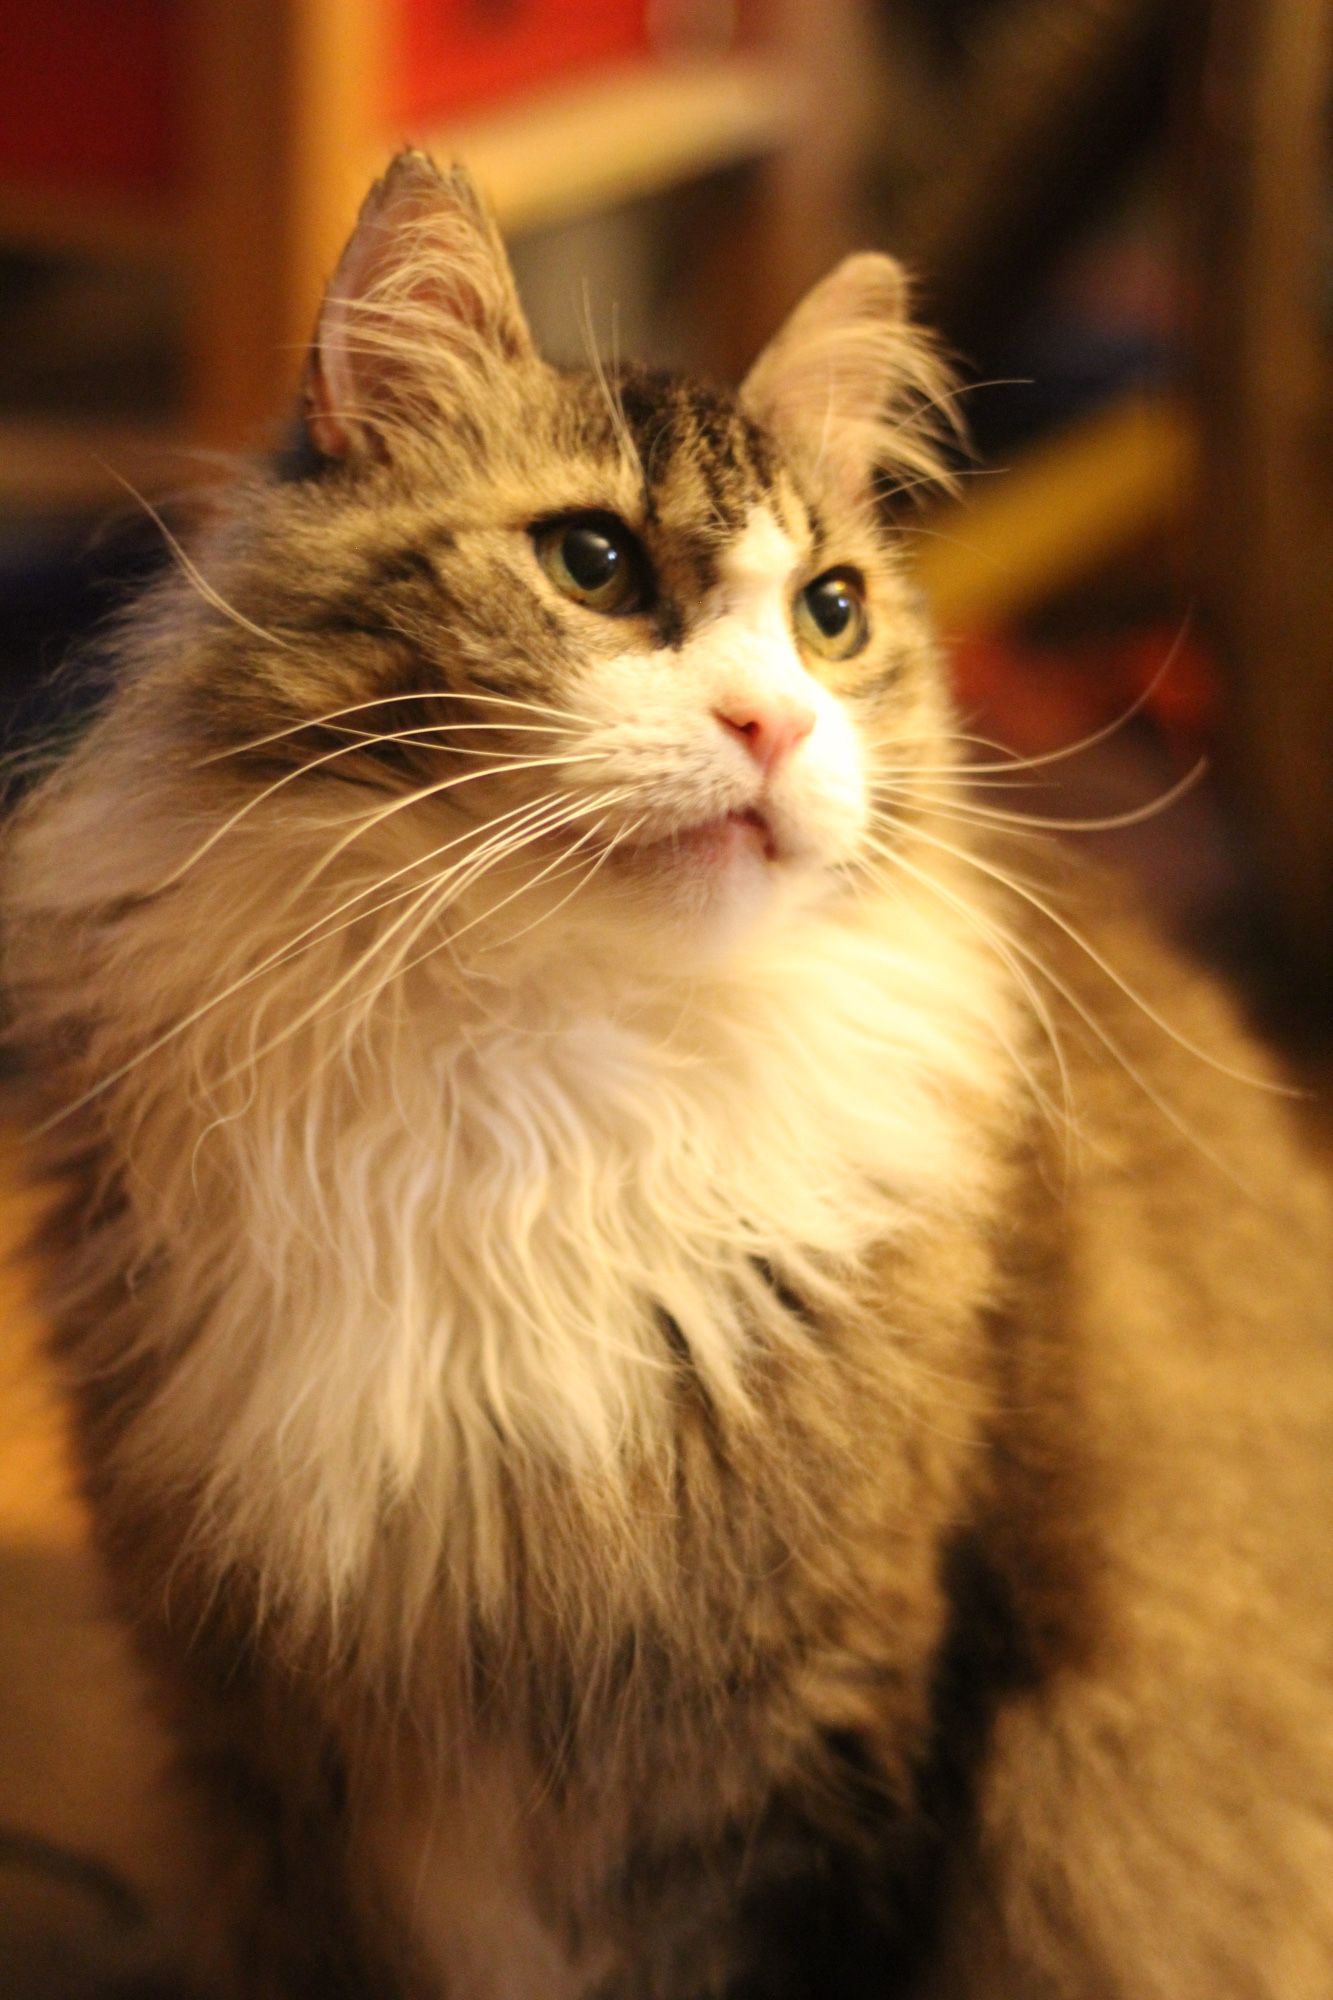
(280, 172)
(617, 136)
(543, 159)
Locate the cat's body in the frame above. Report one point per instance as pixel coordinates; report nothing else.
(664, 1443)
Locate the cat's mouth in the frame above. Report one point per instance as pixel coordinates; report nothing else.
(714, 842)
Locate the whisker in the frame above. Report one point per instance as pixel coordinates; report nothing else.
(364, 823)
(1007, 947)
(1103, 965)
(1153, 1096)
(381, 701)
(620, 429)
(325, 927)
(426, 912)
(957, 473)
(345, 749)
(424, 897)
(422, 912)
(190, 569)
(1016, 762)
(570, 813)
(485, 916)
(398, 968)
(269, 963)
(452, 729)
(965, 810)
(966, 776)
(617, 840)
(418, 861)
(525, 824)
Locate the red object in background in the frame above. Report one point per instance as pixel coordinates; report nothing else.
(1043, 698)
(452, 54)
(90, 94)
(93, 95)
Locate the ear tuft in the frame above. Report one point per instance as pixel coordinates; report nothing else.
(420, 315)
(854, 388)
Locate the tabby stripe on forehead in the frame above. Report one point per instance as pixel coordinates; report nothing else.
(673, 421)
(648, 402)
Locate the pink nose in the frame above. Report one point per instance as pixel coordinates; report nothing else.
(770, 731)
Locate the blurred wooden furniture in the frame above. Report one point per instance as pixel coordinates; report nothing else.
(1056, 103)
(1265, 354)
(1059, 98)
(287, 117)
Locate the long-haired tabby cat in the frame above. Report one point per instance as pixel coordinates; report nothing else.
(685, 1397)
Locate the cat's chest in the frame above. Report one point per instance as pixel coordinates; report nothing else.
(471, 1280)
(589, 1228)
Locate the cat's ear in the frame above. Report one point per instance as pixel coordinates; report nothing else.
(420, 315)
(852, 386)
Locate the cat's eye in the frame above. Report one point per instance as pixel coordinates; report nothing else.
(596, 560)
(830, 615)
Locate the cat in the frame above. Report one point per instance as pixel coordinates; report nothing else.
(690, 1390)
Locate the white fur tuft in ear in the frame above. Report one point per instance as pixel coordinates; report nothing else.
(853, 387)
(421, 308)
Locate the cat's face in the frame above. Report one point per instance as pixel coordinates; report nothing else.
(643, 642)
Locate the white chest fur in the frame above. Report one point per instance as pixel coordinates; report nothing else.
(456, 1252)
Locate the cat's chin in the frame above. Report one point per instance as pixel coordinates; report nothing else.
(700, 889)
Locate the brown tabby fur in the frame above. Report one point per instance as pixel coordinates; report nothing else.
(1013, 1685)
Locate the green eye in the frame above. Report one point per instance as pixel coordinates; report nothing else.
(595, 560)
(830, 615)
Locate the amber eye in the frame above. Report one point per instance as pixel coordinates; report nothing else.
(596, 560)
(830, 615)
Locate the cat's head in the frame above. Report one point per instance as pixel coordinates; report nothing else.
(650, 640)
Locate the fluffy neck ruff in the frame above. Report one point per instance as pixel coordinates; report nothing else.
(388, 1276)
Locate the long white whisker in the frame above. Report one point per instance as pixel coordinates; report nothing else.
(436, 891)
(425, 730)
(613, 797)
(325, 927)
(1016, 762)
(380, 701)
(233, 820)
(191, 570)
(473, 867)
(1007, 947)
(273, 959)
(1096, 958)
(429, 911)
(600, 861)
(485, 916)
(950, 806)
(620, 429)
(1154, 1097)
(515, 813)
(421, 911)
(366, 822)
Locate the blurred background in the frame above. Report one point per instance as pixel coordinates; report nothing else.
(1118, 212)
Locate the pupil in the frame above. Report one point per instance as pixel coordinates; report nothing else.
(832, 608)
(590, 558)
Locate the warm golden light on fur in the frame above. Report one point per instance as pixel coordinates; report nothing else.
(690, 1390)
